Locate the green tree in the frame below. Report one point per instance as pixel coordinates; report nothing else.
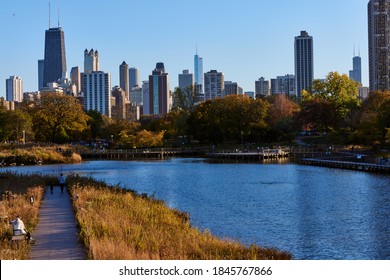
(233, 118)
(58, 118)
(340, 94)
(185, 99)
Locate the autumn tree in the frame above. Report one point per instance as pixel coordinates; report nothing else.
(369, 129)
(58, 118)
(281, 117)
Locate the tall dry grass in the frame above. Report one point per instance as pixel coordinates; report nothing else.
(120, 225)
(37, 154)
(16, 192)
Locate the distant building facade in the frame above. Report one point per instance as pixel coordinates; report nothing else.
(214, 82)
(91, 61)
(304, 62)
(160, 99)
(124, 78)
(41, 70)
(118, 110)
(186, 79)
(145, 98)
(14, 89)
(378, 44)
(262, 87)
(231, 88)
(283, 85)
(134, 78)
(75, 76)
(97, 92)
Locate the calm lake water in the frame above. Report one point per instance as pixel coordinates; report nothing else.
(313, 212)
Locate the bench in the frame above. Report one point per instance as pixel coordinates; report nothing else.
(18, 237)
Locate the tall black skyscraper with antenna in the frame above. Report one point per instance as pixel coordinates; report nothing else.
(55, 59)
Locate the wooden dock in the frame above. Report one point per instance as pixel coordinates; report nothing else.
(358, 166)
(259, 155)
(133, 154)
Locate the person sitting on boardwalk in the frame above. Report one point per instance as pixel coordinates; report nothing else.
(61, 181)
(19, 228)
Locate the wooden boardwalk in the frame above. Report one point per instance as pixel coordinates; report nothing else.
(359, 166)
(56, 234)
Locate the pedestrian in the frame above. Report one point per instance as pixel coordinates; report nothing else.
(61, 181)
(51, 188)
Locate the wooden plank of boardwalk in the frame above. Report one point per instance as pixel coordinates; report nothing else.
(56, 234)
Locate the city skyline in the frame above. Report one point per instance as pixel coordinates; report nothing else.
(264, 44)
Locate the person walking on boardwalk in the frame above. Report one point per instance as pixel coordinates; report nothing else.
(61, 181)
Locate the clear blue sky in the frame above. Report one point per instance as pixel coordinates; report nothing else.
(245, 39)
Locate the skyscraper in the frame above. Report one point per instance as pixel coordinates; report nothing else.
(41, 69)
(356, 73)
(304, 64)
(75, 77)
(186, 79)
(124, 78)
(378, 44)
(97, 92)
(214, 85)
(198, 72)
(91, 61)
(134, 79)
(55, 59)
(14, 89)
(160, 100)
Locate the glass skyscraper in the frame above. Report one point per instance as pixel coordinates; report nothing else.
(198, 72)
(55, 60)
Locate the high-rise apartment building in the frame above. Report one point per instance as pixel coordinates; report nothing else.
(55, 59)
(232, 88)
(14, 89)
(41, 69)
(214, 85)
(91, 61)
(198, 73)
(304, 62)
(134, 78)
(160, 99)
(378, 44)
(97, 92)
(262, 87)
(186, 79)
(283, 85)
(124, 78)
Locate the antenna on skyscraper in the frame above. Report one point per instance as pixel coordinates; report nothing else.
(59, 13)
(354, 50)
(49, 16)
(196, 48)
